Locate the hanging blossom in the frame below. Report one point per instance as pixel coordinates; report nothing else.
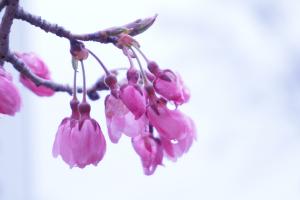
(137, 107)
(150, 151)
(120, 120)
(132, 94)
(10, 100)
(169, 84)
(145, 95)
(79, 139)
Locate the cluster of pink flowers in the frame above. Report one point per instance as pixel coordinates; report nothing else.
(137, 107)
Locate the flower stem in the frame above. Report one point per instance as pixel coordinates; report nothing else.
(74, 85)
(74, 65)
(141, 52)
(128, 56)
(140, 65)
(100, 62)
(84, 82)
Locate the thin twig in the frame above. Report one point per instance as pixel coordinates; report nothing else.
(13, 11)
(21, 67)
(6, 23)
(103, 36)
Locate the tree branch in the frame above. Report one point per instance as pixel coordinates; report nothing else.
(21, 67)
(110, 35)
(3, 3)
(104, 36)
(5, 26)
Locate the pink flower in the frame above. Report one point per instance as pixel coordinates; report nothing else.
(39, 68)
(88, 142)
(10, 100)
(62, 143)
(134, 99)
(80, 142)
(120, 120)
(170, 85)
(150, 151)
(176, 148)
(176, 130)
(171, 124)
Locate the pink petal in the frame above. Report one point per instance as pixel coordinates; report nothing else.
(134, 99)
(171, 124)
(134, 127)
(171, 86)
(176, 148)
(150, 152)
(38, 90)
(120, 120)
(39, 68)
(115, 127)
(115, 111)
(10, 100)
(65, 144)
(99, 146)
(88, 143)
(62, 145)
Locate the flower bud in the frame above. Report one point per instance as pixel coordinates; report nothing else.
(133, 75)
(153, 67)
(126, 40)
(10, 100)
(39, 68)
(78, 50)
(111, 81)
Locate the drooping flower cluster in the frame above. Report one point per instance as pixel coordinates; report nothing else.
(79, 139)
(137, 109)
(137, 106)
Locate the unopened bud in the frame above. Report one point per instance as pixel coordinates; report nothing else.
(153, 67)
(111, 81)
(126, 40)
(133, 75)
(78, 50)
(150, 90)
(84, 108)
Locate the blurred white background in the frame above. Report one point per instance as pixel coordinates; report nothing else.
(239, 58)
